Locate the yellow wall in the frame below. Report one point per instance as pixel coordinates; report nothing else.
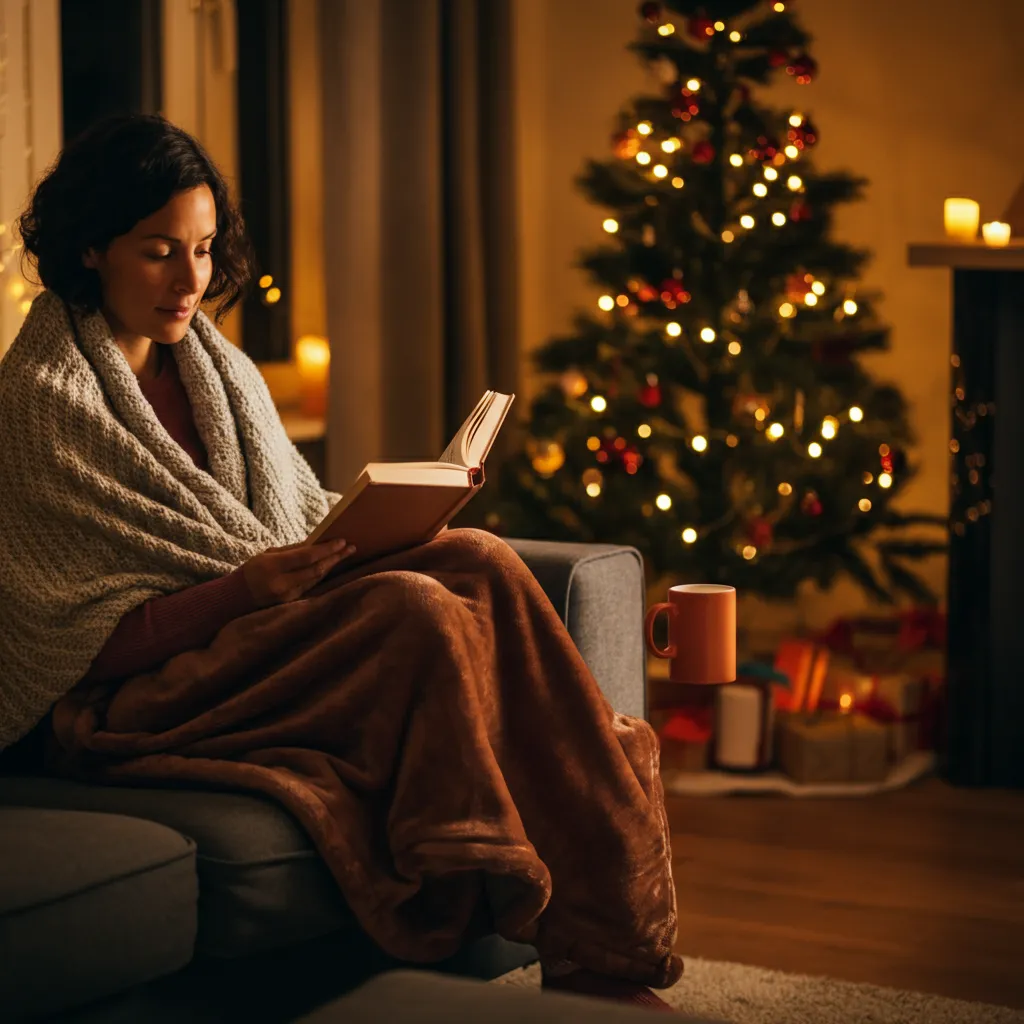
(921, 97)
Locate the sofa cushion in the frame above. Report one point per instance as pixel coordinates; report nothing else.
(262, 883)
(89, 904)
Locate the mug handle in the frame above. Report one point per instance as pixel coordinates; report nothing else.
(652, 614)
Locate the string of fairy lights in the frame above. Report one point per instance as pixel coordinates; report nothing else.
(657, 158)
(970, 480)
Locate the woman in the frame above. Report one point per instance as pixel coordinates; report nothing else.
(427, 718)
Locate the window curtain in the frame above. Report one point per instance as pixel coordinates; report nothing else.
(420, 255)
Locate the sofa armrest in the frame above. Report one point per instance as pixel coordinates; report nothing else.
(598, 590)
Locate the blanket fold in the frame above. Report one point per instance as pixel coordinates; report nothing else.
(429, 722)
(101, 509)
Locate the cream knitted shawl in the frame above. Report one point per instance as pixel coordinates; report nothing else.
(101, 510)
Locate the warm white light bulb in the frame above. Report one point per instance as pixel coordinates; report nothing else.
(689, 535)
(667, 29)
(678, 182)
(770, 173)
(644, 430)
(760, 189)
(736, 160)
(747, 221)
(828, 430)
(707, 334)
(664, 502)
(699, 443)
(660, 171)
(778, 218)
(645, 128)
(735, 348)
(796, 120)
(775, 431)
(849, 307)
(818, 287)
(727, 236)
(672, 329)
(734, 36)
(598, 403)
(643, 159)
(864, 504)
(593, 490)
(606, 302)
(693, 84)
(856, 413)
(794, 182)
(611, 225)
(750, 552)
(810, 299)
(814, 449)
(884, 480)
(792, 152)
(787, 309)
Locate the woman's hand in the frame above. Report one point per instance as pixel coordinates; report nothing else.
(279, 575)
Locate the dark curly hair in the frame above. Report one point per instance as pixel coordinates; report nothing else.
(117, 172)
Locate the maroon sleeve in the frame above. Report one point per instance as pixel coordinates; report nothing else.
(165, 626)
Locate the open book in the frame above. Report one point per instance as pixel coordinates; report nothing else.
(397, 505)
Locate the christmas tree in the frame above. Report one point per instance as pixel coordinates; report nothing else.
(712, 409)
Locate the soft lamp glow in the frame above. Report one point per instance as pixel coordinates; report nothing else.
(313, 360)
(961, 218)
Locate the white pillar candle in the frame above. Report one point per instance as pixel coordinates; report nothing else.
(996, 233)
(961, 218)
(739, 721)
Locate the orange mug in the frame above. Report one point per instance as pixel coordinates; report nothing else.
(701, 633)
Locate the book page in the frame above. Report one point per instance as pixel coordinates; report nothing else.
(456, 450)
(483, 433)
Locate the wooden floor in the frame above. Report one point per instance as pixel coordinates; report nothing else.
(919, 889)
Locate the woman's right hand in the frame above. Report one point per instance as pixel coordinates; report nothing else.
(279, 575)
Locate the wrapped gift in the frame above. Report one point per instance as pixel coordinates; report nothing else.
(827, 747)
(896, 701)
(891, 669)
(685, 738)
(805, 664)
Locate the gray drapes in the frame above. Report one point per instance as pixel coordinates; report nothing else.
(419, 222)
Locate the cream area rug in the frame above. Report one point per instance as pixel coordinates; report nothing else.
(738, 994)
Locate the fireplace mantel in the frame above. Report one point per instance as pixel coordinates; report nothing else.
(962, 256)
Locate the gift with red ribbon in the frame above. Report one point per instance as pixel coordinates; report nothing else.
(890, 669)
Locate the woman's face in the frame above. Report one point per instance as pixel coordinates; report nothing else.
(154, 277)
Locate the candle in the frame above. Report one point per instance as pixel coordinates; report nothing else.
(996, 233)
(313, 358)
(961, 217)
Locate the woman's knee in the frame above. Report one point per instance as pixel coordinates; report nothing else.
(486, 549)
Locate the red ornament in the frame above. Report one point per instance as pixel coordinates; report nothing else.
(803, 135)
(803, 67)
(797, 287)
(810, 504)
(651, 11)
(649, 396)
(777, 58)
(887, 463)
(765, 149)
(626, 145)
(800, 211)
(631, 459)
(687, 102)
(645, 293)
(700, 28)
(759, 532)
(703, 152)
(672, 290)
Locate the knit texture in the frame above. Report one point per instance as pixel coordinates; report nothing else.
(101, 510)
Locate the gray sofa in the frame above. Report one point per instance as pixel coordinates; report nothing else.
(132, 904)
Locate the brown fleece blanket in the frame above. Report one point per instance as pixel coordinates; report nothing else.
(429, 722)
